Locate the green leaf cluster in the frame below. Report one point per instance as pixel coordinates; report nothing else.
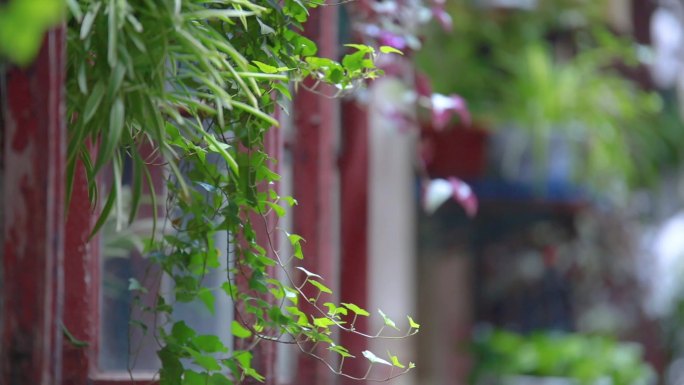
(557, 71)
(584, 358)
(192, 86)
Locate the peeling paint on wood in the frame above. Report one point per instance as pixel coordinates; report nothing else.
(33, 215)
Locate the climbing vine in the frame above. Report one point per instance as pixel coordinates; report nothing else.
(198, 83)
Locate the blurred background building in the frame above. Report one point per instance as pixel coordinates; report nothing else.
(555, 126)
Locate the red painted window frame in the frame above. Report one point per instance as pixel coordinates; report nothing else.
(82, 313)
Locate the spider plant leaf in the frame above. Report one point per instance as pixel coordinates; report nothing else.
(136, 186)
(104, 214)
(93, 102)
(112, 140)
(89, 19)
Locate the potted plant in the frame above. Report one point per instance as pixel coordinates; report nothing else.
(551, 358)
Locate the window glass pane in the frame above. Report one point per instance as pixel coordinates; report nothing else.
(127, 340)
(127, 333)
(197, 316)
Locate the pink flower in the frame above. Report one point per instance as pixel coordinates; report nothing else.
(442, 16)
(443, 108)
(392, 40)
(440, 190)
(464, 195)
(423, 85)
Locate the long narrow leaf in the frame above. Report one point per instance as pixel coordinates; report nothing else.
(104, 214)
(218, 14)
(224, 154)
(89, 19)
(112, 34)
(93, 102)
(110, 142)
(117, 164)
(136, 187)
(153, 200)
(257, 113)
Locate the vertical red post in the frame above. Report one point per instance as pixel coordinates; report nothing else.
(316, 121)
(265, 228)
(33, 216)
(81, 277)
(354, 229)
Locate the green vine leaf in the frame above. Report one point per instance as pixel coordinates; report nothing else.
(340, 350)
(239, 331)
(209, 344)
(374, 359)
(172, 368)
(191, 377)
(388, 49)
(292, 295)
(205, 361)
(308, 273)
(334, 310)
(413, 323)
(295, 241)
(208, 298)
(320, 286)
(265, 68)
(395, 360)
(357, 310)
(181, 332)
(302, 319)
(218, 379)
(323, 322)
(135, 285)
(244, 358)
(387, 320)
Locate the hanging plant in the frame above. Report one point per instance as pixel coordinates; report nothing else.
(198, 81)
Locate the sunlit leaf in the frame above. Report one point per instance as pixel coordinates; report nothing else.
(357, 310)
(320, 286)
(395, 360)
(135, 285)
(323, 322)
(387, 320)
(295, 241)
(413, 323)
(333, 310)
(239, 331)
(388, 49)
(308, 273)
(263, 67)
(374, 359)
(340, 350)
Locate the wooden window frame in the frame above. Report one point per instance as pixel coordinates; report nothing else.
(82, 313)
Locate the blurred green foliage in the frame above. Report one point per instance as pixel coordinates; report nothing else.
(557, 69)
(22, 25)
(586, 359)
